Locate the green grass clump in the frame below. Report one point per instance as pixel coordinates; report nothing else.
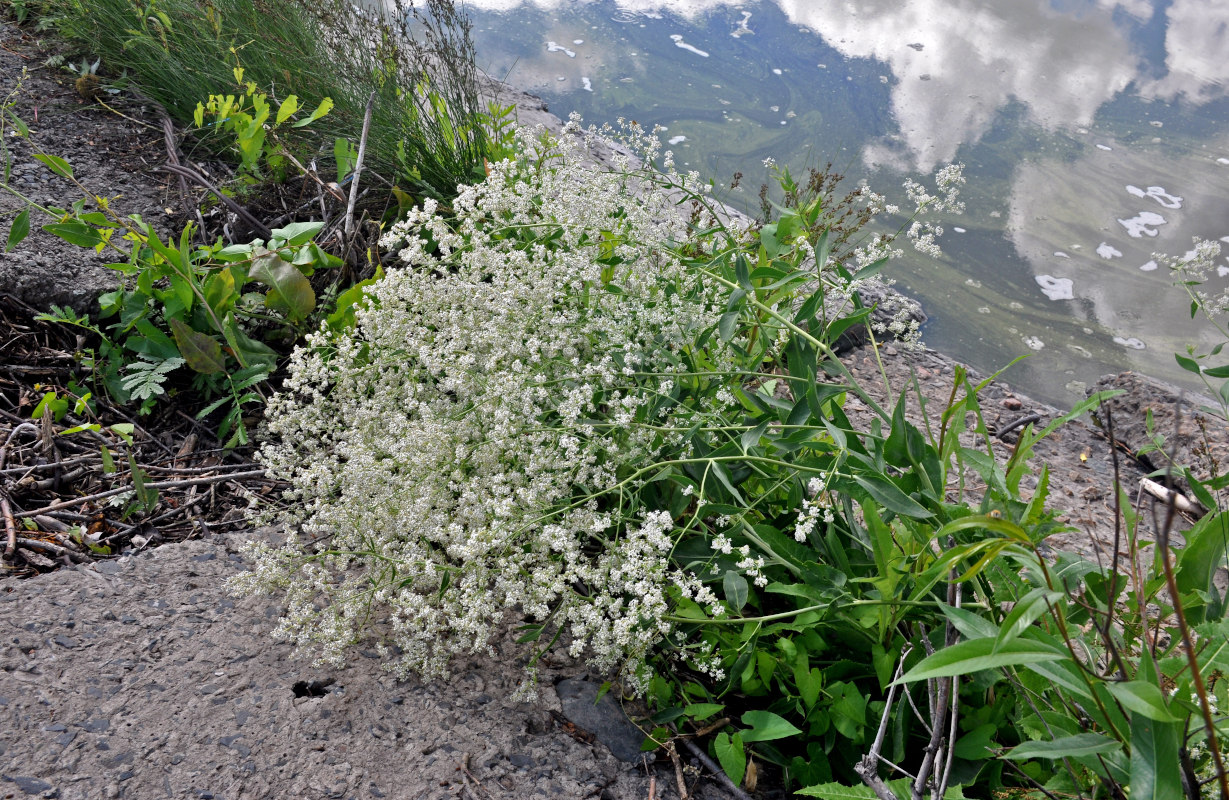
(427, 123)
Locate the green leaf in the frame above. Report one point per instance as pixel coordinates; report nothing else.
(839, 791)
(727, 326)
(19, 230)
(751, 438)
(736, 590)
(1082, 744)
(1024, 614)
(889, 495)
(56, 164)
(288, 107)
(1217, 372)
(325, 106)
(730, 754)
(980, 654)
(1154, 770)
(1204, 553)
(297, 233)
(201, 351)
(77, 233)
(289, 291)
(1143, 699)
(766, 726)
(1188, 364)
(699, 711)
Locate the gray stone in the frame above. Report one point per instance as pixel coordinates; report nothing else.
(602, 718)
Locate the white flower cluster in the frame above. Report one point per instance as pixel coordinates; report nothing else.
(436, 449)
(1193, 269)
(814, 509)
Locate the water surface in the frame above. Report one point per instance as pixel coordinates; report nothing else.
(1093, 134)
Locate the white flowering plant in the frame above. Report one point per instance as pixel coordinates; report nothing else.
(576, 407)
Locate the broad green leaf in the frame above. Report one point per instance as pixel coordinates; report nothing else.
(751, 438)
(288, 107)
(297, 233)
(1154, 770)
(901, 787)
(766, 726)
(343, 317)
(1204, 553)
(977, 655)
(727, 325)
(731, 755)
(77, 233)
(891, 497)
(56, 164)
(289, 291)
(736, 589)
(220, 291)
(1082, 744)
(325, 106)
(200, 350)
(1188, 364)
(19, 230)
(1143, 699)
(700, 711)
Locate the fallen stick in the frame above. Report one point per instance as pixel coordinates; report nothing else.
(358, 167)
(712, 767)
(183, 484)
(1164, 495)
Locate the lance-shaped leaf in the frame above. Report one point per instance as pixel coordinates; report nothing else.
(289, 291)
(980, 654)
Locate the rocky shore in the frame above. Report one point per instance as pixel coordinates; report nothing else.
(140, 677)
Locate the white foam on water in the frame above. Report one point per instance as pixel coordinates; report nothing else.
(1222, 161)
(743, 28)
(1149, 267)
(1132, 342)
(1034, 343)
(1158, 194)
(776, 71)
(1056, 288)
(555, 47)
(825, 66)
(1106, 250)
(678, 42)
(676, 139)
(1060, 254)
(586, 84)
(784, 122)
(774, 108)
(958, 230)
(1104, 147)
(1142, 224)
(1156, 123)
(883, 78)
(578, 41)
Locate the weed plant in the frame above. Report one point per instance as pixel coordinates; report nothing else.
(428, 124)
